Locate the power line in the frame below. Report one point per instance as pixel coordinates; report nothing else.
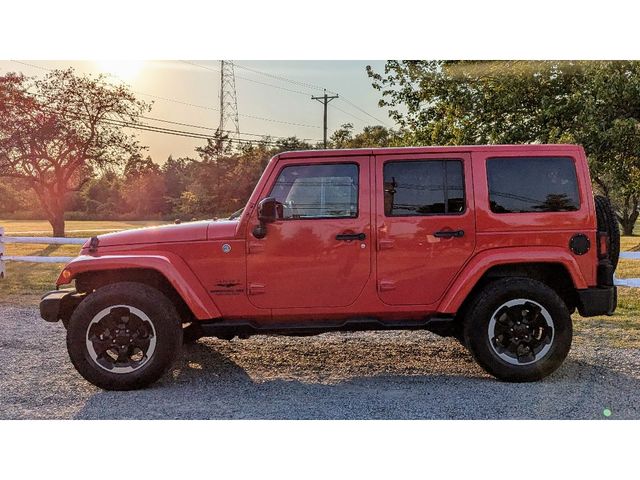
(183, 133)
(284, 79)
(156, 129)
(162, 120)
(363, 111)
(215, 129)
(310, 85)
(286, 89)
(245, 78)
(350, 114)
(217, 110)
(31, 65)
(195, 105)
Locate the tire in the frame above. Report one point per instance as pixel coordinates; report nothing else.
(608, 223)
(132, 322)
(518, 299)
(191, 334)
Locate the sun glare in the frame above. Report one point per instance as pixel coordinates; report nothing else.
(124, 69)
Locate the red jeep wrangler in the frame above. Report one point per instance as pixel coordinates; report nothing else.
(494, 245)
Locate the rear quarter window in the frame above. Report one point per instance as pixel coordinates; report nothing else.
(532, 184)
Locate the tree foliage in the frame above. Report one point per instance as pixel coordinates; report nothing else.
(56, 131)
(595, 104)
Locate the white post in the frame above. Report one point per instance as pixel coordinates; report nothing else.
(1, 253)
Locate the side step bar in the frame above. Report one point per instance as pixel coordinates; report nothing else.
(444, 326)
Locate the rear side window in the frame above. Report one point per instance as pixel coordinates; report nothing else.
(532, 184)
(318, 191)
(423, 187)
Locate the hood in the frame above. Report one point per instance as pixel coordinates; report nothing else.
(184, 232)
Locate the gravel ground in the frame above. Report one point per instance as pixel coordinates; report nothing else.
(381, 375)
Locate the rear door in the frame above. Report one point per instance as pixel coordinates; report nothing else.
(425, 224)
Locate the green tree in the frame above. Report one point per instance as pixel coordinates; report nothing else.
(370, 137)
(596, 104)
(144, 188)
(102, 195)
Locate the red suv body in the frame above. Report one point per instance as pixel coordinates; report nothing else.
(363, 239)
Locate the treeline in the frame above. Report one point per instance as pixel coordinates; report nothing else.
(209, 184)
(62, 154)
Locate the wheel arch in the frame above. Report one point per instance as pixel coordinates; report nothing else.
(169, 275)
(560, 272)
(87, 282)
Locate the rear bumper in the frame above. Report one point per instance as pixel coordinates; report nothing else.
(597, 301)
(59, 305)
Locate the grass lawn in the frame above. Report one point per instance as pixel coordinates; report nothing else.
(25, 282)
(621, 330)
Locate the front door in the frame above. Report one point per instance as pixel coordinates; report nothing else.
(318, 253)
(425, 222)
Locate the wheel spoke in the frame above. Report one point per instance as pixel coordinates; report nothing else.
(547, 335)
(498, 343)
(525, 353)
(123, 355)
(534, 312)
(100, 346)
(120, 316)
(502, 316)
(141, 343)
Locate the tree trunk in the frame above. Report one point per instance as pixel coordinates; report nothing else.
(57, 223)
(53, 205)
(629, 215)
(55, 214)
(629, 222)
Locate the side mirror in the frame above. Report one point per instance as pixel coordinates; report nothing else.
(268, 210)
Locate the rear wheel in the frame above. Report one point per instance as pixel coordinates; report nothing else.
(518, 329)
(124, 336)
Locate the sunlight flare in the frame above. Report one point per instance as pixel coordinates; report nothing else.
(124, 69)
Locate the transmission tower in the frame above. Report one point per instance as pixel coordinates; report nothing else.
(229, 123)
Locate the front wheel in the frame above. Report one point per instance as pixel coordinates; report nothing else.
(124, 336)
(518, 329)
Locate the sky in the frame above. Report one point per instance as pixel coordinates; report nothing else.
(261, 88)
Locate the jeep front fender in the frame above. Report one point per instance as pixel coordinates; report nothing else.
(483, 261)
(169, 265)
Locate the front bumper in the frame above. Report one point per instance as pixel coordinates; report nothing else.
(59, 305)
(597, 301)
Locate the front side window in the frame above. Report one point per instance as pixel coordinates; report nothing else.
(532, 184)
(318, 191)
(423, 187)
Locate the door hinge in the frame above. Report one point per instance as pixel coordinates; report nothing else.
(256, 247)
(256, 288)
(386, 285)
(385, 244)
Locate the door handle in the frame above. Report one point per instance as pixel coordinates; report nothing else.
(350, 236)
(449, 233)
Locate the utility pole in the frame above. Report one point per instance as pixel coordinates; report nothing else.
(325, 99)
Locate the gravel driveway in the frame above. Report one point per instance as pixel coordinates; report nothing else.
(382, 375)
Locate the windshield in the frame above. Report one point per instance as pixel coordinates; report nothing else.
(236, 214)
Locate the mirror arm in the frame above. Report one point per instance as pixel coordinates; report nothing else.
(260, 231)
